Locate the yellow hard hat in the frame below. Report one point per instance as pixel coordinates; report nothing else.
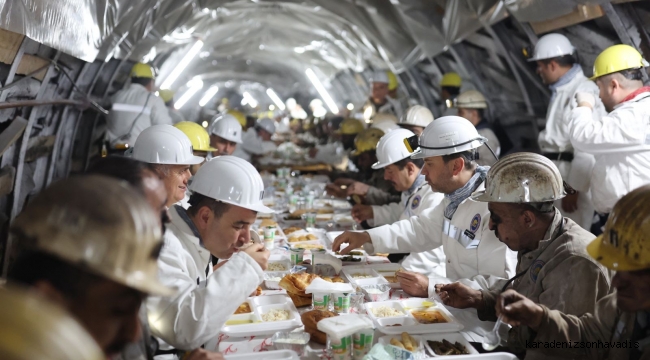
(99, 223)
(32, 328)
(451, 79)
(198, 136)
(166, 95)
(625, 243)
(239, 116)
(367, 140)
(351, 126)
(617, 58)
(141, 70)
(392, 81)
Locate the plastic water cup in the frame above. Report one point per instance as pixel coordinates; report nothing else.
(341, 348)
(362, 342)
(269, 237)
(297, 256)
(341, 303)
(320, 301)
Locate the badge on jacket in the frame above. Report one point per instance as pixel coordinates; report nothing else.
(416, 202)
(535, 269)
(475, 224)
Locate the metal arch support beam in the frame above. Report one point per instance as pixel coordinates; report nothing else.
(513, 68)
(17, 204)
(61, 126)
(622, 30)
(459, 52)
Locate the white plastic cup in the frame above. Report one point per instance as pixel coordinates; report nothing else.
(321, 301)
(362, 343)
(269, 237)
(341, 348)
(341, 303)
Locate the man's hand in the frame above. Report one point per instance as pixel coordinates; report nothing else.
(362, 212)
(336, 191)
(459, 295)
(355, 240)
(358, 188)
(586, 99)
(518, 310)
(570, 202)
(202, 354)
(413, 283)
(259, 253)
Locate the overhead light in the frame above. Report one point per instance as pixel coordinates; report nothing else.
(195, 85)
(250, 99)
(212, 91)
(350, 106)
(271, 107)
(321, 90)
(194, 50)
(204, 124)
(276, 99)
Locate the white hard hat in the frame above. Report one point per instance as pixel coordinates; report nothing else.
(448, 135)
(231, 180)
(391, 148)
(551, 46)
(164, 144)
(384, 122)
(522, 178)
(471, 99)
(416, 115)
(267, 124)
(380, 76)
(227, 127)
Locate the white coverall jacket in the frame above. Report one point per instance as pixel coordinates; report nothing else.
(556, 139)
(620, 141)
(252, 144)
(175, 115)
(134, 109)
(429, 263)
(474, 255)
(204, 300)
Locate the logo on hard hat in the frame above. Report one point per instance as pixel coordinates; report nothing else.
(416, 202)
(535, 269)
(476, 222)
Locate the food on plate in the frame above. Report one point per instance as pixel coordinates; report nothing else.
(394, 325)
(296, 215)
(361, 276)
(325, 211)
(267, 222)
(276, 315)
(276, 266)
(444, 347)
(409, 342)
(291, 230)
(385, 311)
(299, 238)
(391, 279)
(239, 322)
(345, 220)
(291, 341)
(244, 308)
(297, 283)
(310, 319)
(349, 258)
(300, 300)
(428, 317)
(397, 343)
(336, 279)
(307, 246)
(273, 278)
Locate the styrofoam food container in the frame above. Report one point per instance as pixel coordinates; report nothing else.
(266, 355)
(262, 305)
(274, 284)
(419, 352)
(452, 338)
(282, 261)
(301, 339)
(410, 324)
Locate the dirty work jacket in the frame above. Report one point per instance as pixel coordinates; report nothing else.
(204, 300)
(620, 141)
(413, 203)
(559, 274)
(134, 109)
(607, 331)
(474, 255)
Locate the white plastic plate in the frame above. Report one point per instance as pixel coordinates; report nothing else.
(262, 305)
(398, 324)
(265, 355)
(452, 338)
(418, 354)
